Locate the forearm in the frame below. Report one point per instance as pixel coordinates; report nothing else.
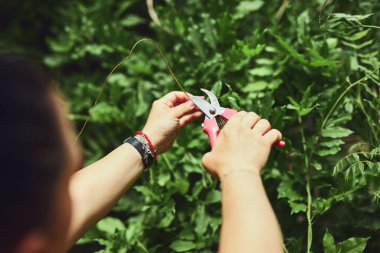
(249, 223)
(96, 189)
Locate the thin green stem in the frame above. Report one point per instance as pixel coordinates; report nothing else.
(167, 162)
(303, 139)
(369, 26)
(332, 109)
(309, 197)
(369, 119)
(308, 215)
(142, 246)
(284, 248)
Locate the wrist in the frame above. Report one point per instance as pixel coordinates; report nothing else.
(134, 153)
(226, 169)
(144, 147)
(152, 137)
(143, 137)
(240, 178)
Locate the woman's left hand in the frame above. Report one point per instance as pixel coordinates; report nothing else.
(168, 115)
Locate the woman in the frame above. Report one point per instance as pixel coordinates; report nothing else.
(48, 202)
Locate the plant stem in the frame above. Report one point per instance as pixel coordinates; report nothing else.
(332, 109)
(309, 197)
(281, 11)
(308, 215)
(369, 120)
(142, 246)
(167, 162)
(284, 248)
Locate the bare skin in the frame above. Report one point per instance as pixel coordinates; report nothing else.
(239, 155)
(95, 189)
(85, 196)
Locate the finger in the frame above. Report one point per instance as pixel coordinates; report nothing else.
(235, 120)
(175, 98)
(273, 136)
(207, 162)
(250, 119)
(183, 109)
(189, 118)
(262, 126)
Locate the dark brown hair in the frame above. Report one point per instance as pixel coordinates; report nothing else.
(32, 151)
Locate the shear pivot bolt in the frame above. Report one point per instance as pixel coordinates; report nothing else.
(212, 110)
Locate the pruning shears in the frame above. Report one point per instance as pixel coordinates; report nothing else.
(216, 116)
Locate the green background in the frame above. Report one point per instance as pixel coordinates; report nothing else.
(310, 67)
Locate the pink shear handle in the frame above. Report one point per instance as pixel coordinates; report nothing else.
(210, 127)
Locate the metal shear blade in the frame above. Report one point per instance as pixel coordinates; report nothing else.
(203, 105)
(213, 99)
(210, 110)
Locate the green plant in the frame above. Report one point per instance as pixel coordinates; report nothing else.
(311, 68)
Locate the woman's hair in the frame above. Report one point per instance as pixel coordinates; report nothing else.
(32, 150)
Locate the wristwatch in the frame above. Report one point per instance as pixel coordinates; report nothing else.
(143, 149)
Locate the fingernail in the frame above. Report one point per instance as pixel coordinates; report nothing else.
(191, 103)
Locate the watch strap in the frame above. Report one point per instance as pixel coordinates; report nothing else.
(146, 156)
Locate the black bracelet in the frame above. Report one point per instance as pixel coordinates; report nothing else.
(143, 149)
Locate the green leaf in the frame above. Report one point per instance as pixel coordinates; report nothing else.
(305, 98)
(336, 132)
(262, 71)
(202, 221)
(181, 185)
(358, 35)
(132, 20)
(256, 86)
(331, 143)
(295, 200)
(213, 197)
(327, 152)
(297, 207)
(265, 61)
(249, 52)
(233, 103)
(305, 111)
(358, 46)
(329, 243)
(350, 17)
(217, 88)
(60, 47)
(182, 245)
(209, 30)
(109, 225)
(148, 192)
(352, 245)
(246, 7)
(286, 45)
(166, 220)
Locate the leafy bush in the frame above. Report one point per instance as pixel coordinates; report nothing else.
(311, 68)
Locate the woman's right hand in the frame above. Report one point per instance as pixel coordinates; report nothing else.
(244, 143)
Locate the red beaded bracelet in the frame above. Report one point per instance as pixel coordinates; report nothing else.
(149, 142)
